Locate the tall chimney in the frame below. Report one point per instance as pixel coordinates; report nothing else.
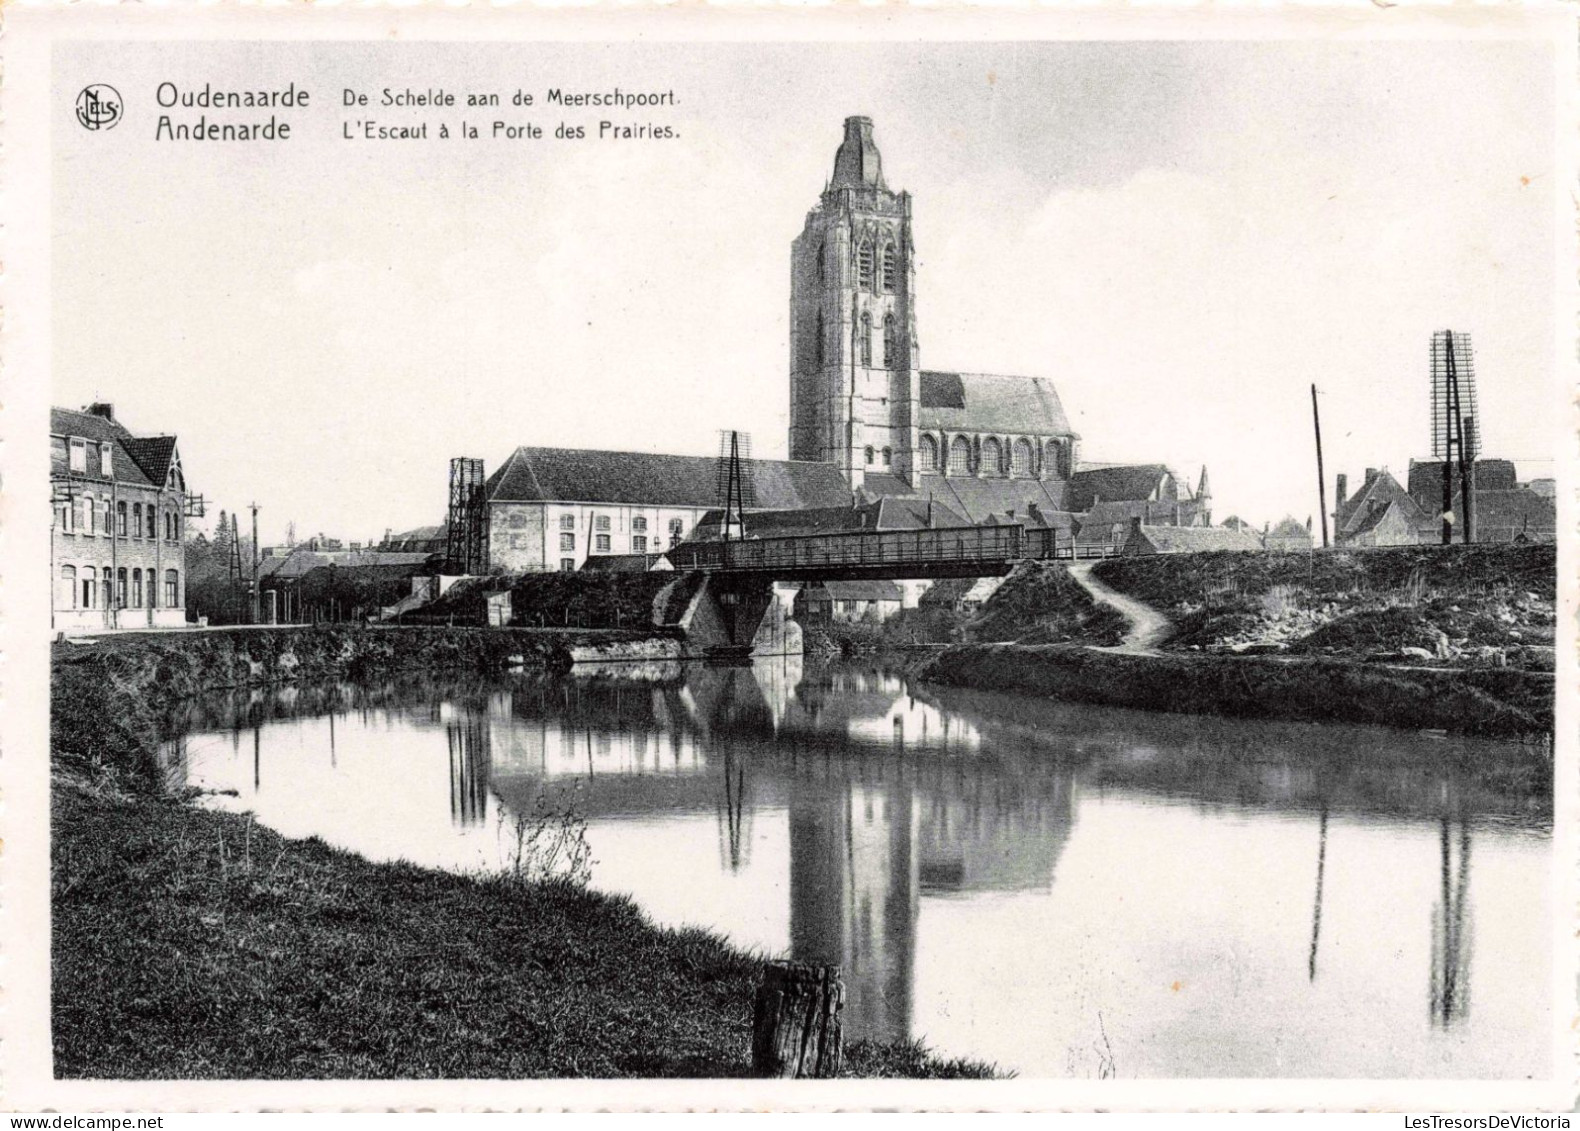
(1342, 492)
(102, 408)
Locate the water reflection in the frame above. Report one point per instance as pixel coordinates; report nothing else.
(1007, 878)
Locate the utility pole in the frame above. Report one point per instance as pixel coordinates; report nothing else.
(1322, 484)
(254, 555)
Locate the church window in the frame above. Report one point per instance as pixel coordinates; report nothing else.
(888, 269)
(864, 265)
(959, 456)
(822, 262)
(888, 457)
(891, 343)
(817, 344)
(1020, 460)
(929, 454)
(992, 457)
(866, 340)
(869, 455)
(1059, 456)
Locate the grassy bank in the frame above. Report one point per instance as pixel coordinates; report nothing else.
(194, 944)
(1498, 702)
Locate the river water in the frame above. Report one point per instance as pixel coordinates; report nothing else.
(1062, 890)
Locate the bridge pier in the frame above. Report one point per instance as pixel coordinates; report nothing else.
(739, 611)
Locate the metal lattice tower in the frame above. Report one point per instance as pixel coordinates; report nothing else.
(466, 546)
(734, 481)
(1455, 432)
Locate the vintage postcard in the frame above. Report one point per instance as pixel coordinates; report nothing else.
(711, 558)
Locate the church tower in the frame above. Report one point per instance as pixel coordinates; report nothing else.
(855, 377)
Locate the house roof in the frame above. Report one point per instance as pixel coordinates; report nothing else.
(1425, 480)
(299, 562)
(861, 590)
(1196, 539)
(1503, 516)
(976, 500)
(139, 461)
(1116, 482)
(988, 402)
(582, 475)
(1379, 490)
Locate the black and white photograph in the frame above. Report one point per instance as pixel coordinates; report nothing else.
(793, 555)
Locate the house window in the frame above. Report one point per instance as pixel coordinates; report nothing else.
(68, 587)
(639, 524)
(104, 526)
(90, 587)
(1020, 460)
(78, 522)
(120, 588)
(601, 522)
(63, 516)
(78, 459)
(868, 453)
(567, 542)
(137, 588)
(866, 340)
(864, 266)
(602, 544)
(172, 589)
(929, 454)
(153, 523)
(106, 465)
(567, 565)
(992, 458)
(567, 522)
(959, 456)
(137, 520)
(638, 543)
(120, 519)
(676, 528)
(888, 269)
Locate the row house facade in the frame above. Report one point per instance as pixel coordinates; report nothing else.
(119, 512)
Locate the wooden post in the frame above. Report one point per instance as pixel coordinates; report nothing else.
(797, 1027)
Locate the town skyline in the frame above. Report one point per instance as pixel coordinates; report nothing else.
(1142, 224)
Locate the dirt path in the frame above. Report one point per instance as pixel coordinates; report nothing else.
(1147, 625)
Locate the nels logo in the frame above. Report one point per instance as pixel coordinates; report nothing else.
(99, 107)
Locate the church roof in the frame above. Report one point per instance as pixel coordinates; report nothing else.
(985, 402)
(1118, 482)
(857, 161)
(582, 475)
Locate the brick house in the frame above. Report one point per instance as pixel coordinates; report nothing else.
(119, 507)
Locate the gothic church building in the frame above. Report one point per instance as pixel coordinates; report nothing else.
(992, 448)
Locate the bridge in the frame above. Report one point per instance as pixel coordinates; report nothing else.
(965, 551)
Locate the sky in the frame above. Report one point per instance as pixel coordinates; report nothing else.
(1182, 236)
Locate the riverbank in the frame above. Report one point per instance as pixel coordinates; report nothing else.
(194, 944)
(1499, 702)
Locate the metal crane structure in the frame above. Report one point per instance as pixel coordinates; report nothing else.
(1454, 435)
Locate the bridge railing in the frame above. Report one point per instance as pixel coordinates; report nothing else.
(871, 548)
